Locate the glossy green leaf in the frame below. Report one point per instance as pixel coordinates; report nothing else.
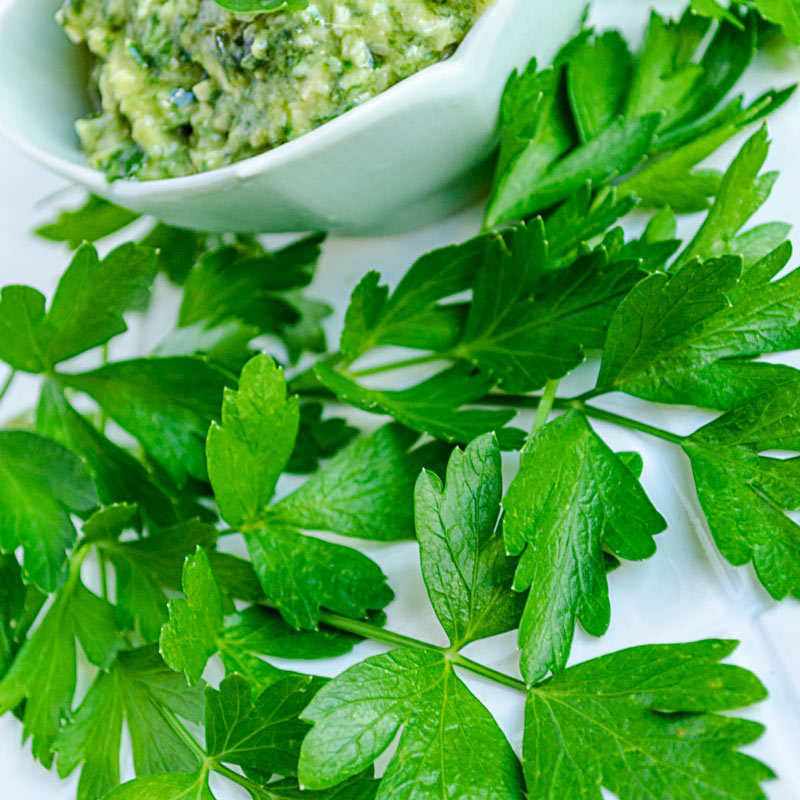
(41, 484)
(301, 575)
(744, 495)
(262, 733)
(366, 490)
(44, 674)
(93, 221)
(645, 717)
(250, 450)
(433, 406)
(140, 690)
(318, 438)
(189, 639)
(116, 473)
(450, 746)
(167, 786)
(560, 521)
(466, 570)
(166, 403)
(262, 631)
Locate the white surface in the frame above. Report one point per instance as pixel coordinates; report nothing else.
(404, 158)
(687, 591)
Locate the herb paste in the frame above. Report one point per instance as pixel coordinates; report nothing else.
(184, 86)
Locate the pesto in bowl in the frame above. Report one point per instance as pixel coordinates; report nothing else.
(184, 86)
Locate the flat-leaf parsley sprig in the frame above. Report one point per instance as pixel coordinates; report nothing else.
(213, 424)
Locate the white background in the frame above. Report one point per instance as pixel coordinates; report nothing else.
(687, 591)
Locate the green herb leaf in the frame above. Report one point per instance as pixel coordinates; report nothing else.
(264, 734)
(366, 490)
(42, 483)
(93, 221)
(229, 285)
(744, 494)
(166, 403)
(529, 324)
(464, 564)
(411, 316)
(645, 716)
(450, 746)
(140, 690)
(262, 631)
(168, 786)
(433, 406)
(118, 476)
(189, 639)
(250, 450)
(560, 521)
(44, 673)
(86, 310)
(19, 607)
(301, 575)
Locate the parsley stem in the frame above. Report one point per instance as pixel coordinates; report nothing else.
(546, 403)
(488, 672)
(395, 365)
(254, 789)
(627, 422)
(7, 384)
(369, 631)
(103, 565)
(171, 718)
(563, 404)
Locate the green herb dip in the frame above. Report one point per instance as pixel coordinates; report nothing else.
(184, 86)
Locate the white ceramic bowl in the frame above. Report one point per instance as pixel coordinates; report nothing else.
(404, 158)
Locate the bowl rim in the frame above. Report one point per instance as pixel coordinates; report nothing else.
(447, 73)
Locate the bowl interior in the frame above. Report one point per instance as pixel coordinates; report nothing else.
(43, 90)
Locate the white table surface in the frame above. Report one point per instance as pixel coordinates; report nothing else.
(686, 592)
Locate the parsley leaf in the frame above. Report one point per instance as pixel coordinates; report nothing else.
(118, 476)
(188, 640)
(244, 471)
(338, 578)
(166, 403)
(250, 450)
(93, 221)
(43, 483)
(366, 490)
(560, 521)
(450, 746)
(644, 717)
(167, 786)
(464, 564)
(264, 733)
(744, 494)
(601, 115)
(433, 406)
(86, 310)
(138, 688)
(44, 674)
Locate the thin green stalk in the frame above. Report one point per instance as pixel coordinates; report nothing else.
(563, 404)
(103, 421)
(488, 672)
(544, 408)
(254, 789)
(7, 384)
(369, 631)
(172, 720)
(627, 422)
(395, 365)
(103, 564)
